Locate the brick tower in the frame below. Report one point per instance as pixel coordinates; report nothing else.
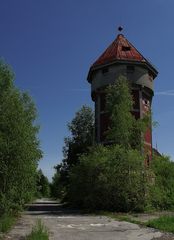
(122, 58)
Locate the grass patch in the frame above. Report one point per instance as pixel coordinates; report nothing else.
(39, 232)
(120, 217)
(128, 219)
(164, 223)
(6, 222)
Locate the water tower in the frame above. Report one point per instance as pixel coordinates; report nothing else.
(122, 58)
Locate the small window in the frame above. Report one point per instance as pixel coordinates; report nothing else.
(146, 102)
(126, 48)
(105, 70)
(148, 160)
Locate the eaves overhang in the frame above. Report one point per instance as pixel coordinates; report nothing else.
(145, 64)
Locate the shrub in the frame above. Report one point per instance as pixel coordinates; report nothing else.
(109, 178)
(162, 191)
(6, 221)
(39, 232)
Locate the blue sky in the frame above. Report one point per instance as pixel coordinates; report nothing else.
(51, 44)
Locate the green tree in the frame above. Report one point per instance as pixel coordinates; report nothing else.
(124, 129)
(43, 185)
(81, 129)
(119, 106)
(19, 146)
(57, 188)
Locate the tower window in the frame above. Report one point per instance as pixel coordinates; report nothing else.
(148, 160)
(126, 48)
(146, 102)
(105, 70)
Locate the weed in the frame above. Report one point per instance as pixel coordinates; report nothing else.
(6, 221)
(164, 223)
(39, 232)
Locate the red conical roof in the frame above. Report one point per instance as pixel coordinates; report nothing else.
(120, 49)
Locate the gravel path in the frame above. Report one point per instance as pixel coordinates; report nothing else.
(64, 224)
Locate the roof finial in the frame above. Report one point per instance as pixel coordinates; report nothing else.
(120, 28)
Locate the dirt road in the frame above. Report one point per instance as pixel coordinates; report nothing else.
(64, 224)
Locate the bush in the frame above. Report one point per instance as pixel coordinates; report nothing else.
(109, 178)
(39, 232)
(6, 221)
(162, 190)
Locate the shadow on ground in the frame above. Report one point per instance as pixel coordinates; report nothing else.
(50, 207)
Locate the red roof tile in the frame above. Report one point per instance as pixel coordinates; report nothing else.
(120, 49)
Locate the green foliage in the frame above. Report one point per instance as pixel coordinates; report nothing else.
(127, 219)
(164, 223)
(124, 129)
(109, 178)
(161, 192)
(39, 232)
(58, 189)
(6, 221)
(19, 146)
(43, 185)
(81, 128)
(119, 106)
(115, 177)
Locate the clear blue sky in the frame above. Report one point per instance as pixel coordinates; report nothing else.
(51, 44)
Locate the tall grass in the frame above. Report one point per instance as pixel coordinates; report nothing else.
(164, 223)
(39, 232)
(6, 221)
